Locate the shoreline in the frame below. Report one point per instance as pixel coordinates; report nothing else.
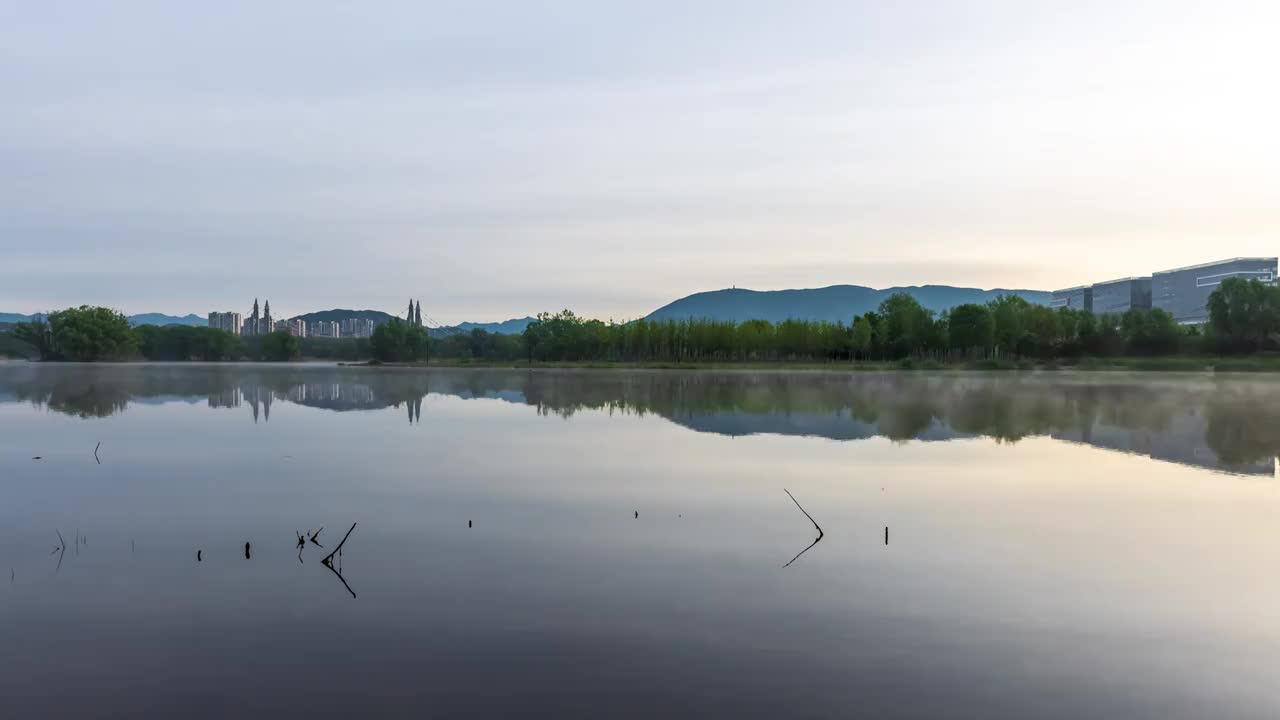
(1203, 365)
(1251, 364)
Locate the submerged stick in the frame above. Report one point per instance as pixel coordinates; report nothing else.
(329, 558)
(328, 561)
(95, 452)
(62, 550)
(815, 524)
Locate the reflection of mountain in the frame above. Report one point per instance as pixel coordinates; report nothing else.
(1223, 423)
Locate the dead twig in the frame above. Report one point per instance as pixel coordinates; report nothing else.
(815, 524)
(329, 558)
(328, 561)
(61, 550)
(95, 452)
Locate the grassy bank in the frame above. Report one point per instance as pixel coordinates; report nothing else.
(1189, 363)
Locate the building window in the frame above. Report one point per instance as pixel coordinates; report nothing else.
(1217, 278)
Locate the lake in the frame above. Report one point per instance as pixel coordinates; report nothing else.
(636, 543)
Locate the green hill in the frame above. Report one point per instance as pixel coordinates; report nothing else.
(338, 315)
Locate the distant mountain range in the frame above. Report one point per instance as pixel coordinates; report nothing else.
(338, 315)
(162, 319)
(506, 327)
(838, 302)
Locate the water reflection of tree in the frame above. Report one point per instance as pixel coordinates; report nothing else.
(1236, 420)
(1243, 429)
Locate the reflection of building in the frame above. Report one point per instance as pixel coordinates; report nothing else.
(1183, 440)
(1116, 297)
(225, 321)
(225, 397)
(258, 396)
(1184, 292)
(1221, 423)
(1076, 298)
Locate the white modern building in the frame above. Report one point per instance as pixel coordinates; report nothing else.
(294, 327)
(1076, 298)
(1184, 292)
(357, 327)
(324, 328)
(225, 321)
(1117, 297)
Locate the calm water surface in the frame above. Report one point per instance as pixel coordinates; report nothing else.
(616, 544)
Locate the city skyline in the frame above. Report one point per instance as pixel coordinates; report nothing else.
(609, 160)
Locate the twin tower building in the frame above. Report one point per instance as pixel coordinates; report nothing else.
(253, 325)
(1181, 292)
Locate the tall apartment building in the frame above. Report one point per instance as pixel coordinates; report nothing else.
(357, 327)
(1184, 292)
(295, 327)
(1076, 298)
(324, 328)
(1116, 297)
(225, 321)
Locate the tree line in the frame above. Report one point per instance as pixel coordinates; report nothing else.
(1244, 317)
(91, 334)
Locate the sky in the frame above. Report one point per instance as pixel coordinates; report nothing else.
(497, 159)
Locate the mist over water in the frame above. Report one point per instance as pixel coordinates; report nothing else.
(613, 543)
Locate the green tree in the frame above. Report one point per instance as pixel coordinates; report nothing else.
(38, 334)
(1149, 332)
(1244, 314)
(862, 336)
(970, 327)
(1008, 312)
(182, 342)
(86, 334)
(280, 346)
(1043, 330)
(907, 325)
(399, 341)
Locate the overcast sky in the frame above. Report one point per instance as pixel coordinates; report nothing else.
(499, 159)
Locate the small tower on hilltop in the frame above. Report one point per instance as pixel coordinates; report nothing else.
(417, 315)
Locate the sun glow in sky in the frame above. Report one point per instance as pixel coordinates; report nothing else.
(499, 159)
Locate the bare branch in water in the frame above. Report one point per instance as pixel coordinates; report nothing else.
(344, 580)
(329, 558)
(328, 561)
(95, 452)
(61, 550)
(815, 525)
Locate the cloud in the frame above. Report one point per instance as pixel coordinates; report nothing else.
(498, 159)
